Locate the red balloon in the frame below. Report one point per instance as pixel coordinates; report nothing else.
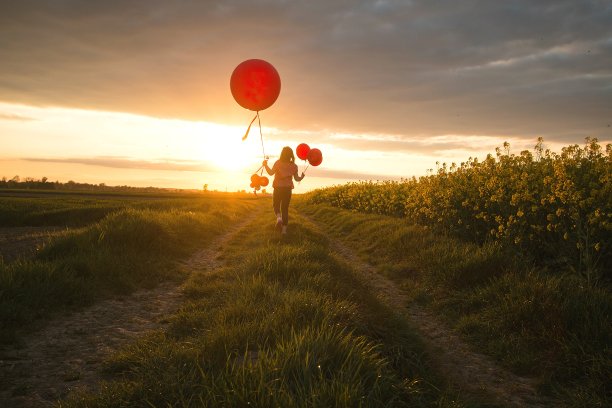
(255, 178)
(263, 181)
(315, 157)
(255, 84)
(302, 151)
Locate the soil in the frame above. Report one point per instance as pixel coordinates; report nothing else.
(67, 353)
(24, 242)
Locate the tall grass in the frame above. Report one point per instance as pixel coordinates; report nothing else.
(126, 250)
(282, 325)
(535, 321)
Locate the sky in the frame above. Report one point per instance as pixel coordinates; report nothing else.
(137, 92)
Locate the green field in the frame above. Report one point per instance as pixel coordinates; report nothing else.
(111, 245)
(293, 322)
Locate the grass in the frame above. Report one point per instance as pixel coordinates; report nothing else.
(534, 321)
(128, 249)
(71, 209)
(281, 324)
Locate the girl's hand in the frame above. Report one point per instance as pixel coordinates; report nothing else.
(265, 162)
(303, 174)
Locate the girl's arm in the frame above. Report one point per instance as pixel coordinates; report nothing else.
(268, 169)
(298, 178)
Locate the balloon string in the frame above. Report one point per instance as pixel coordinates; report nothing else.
(263, 151)
(304, 171)
(249, 128)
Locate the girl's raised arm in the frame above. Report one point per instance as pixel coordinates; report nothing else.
(268, 169)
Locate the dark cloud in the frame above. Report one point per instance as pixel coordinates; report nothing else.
(384, 66)
(126, 163)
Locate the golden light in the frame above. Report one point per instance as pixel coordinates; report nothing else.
(221, 146)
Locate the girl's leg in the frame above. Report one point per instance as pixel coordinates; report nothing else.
(276, 204)
(285, 205)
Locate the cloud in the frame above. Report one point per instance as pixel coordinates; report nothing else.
(351, 175)
(126, 163)
(409, 68)
(11, 116)
(422, 144)
(186, 165)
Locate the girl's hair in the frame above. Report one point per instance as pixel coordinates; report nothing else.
(287, 155)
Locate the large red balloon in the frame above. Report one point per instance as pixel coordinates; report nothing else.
(263, 181)
(255, 84)
(302, 151)
(315, 157)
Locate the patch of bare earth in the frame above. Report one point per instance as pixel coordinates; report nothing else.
(67, 353)
(23, 242)
(467, 370)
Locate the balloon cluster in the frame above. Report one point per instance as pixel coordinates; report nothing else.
(257, 181)
(255, 85)
(314, 156)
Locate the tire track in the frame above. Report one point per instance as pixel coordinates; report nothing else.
(467, 370)
(67, 353)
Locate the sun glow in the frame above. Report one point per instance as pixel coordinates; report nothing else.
(221, 145)
(127, 149)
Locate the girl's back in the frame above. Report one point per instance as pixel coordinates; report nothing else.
(283, 173)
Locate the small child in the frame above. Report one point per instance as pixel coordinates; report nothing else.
(284, 170)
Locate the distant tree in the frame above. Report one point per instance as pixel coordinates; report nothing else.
(44, 180)
(205, 188)
(16, 179)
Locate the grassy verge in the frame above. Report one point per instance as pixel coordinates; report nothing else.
(128, 249)
(282, 325)
(534, 321)
(80, 209)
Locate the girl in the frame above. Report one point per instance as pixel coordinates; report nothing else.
(283, 170)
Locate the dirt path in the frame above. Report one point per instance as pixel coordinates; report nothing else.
(465, 369)
(67, 353)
